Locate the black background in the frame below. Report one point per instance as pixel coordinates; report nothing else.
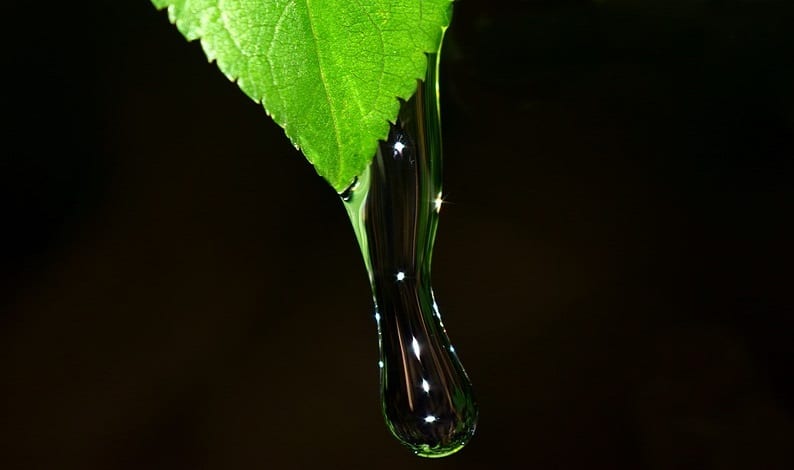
(178, 289)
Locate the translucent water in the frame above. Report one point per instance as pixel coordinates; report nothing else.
(426, 396)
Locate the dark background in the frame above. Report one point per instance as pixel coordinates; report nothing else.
(179, 290)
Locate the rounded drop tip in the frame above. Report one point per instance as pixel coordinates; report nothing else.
(440, 450)
(434, 436)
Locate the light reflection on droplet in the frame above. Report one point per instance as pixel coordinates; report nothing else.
(415, 347)
(400, 276)
(398, 148)
(437, 203)
(425, 386)
(435, 306)
(377, 317)
(430, 419)
(380, 364)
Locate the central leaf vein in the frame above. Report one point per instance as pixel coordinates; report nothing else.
(324, 80)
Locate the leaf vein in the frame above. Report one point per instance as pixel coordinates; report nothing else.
(324, 80)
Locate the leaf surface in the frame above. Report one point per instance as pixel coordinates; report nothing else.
(328, 71)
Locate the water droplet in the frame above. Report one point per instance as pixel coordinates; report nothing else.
(426, 396)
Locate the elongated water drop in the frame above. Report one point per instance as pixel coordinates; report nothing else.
(426, 396)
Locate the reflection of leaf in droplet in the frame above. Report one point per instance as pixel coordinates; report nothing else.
(328, 71)
(462, 401)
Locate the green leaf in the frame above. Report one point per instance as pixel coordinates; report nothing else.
(328, 71)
